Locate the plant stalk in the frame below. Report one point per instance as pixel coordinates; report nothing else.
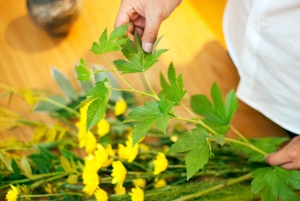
(216, 187)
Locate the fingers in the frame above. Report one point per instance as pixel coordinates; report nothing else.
(150, 32)
(278, 158)
(288, 157)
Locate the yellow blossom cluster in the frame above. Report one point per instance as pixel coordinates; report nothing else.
(120, 107)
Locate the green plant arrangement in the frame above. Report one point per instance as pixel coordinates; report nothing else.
(106, 146)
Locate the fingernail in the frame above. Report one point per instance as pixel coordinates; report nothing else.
(147, 47)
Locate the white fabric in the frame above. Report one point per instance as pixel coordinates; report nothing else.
(263, 40)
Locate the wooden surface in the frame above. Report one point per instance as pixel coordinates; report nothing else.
(192, 33)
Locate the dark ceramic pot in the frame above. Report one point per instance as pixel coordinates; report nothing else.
(54, 16)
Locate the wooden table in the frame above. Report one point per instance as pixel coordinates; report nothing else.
(192, 33)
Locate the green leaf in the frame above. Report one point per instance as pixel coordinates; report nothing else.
(6, 162)
(65, 164)
(220, 139)
(46, 153)
(173, 91)
(72, 179)
(15, 167)
(99, 96)
(196, 159)
(115, 95)
(275, 182)
(199, 149)
(268, 145)
(64, 83)
(25, 168)
(138, 60)
(152, 113)
(82, 72)
(113, 43)
(217, 115)
(44, 106)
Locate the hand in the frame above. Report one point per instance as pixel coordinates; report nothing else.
(288, 157)
(145, 17)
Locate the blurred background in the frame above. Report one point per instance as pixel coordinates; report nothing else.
(29, 46)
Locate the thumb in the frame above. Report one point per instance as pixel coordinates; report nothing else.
(150, 32)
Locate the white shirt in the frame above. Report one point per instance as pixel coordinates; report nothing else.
(263, 40)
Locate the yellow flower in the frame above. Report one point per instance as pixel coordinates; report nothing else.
(139, 182)
(91, 142)
(103, 127)
(174, 138)
(12, 194)
(120, 190)
(120, 107)
(159, 183)
(160, 163)
(81, 124)
(101, 156)
(137, 194)
(90, 174)
(91, 181)
(127, 152)
(100, 195)
(118, 173)
(110, 152)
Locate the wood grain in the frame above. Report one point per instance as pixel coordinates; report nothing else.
(191, 33)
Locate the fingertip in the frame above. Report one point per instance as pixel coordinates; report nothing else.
(147, 47)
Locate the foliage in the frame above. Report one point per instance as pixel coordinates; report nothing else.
(102, 146)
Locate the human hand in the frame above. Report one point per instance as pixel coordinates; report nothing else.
(288, 157)
(145, 17)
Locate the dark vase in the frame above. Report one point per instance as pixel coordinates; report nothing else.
(54, 16)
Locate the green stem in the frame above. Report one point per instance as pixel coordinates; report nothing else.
(34, 185)
(102, 71)
(115, 71)
(216, 187)
(239, 134)
(148, 83)
(136, 91)
(62, 106)
(198, 121)
(189, 111)
(246, 145)
(51, 195)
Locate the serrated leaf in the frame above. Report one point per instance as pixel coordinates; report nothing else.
(72, 179)
(64, 83)
(99, 96)
(217, 113)
(116, 38)
(25, 168)
(190, 141)
(138, 60)
(152, 113)
(173, 91)
(275, 182)
(115, 95)
(268, 145)
(220, 139)
(196, 143)
(196, 160)
(82, 72)
(15, 167)
(65, 164)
